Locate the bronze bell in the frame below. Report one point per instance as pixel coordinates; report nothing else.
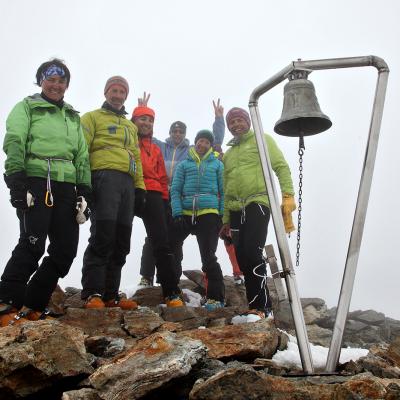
(301, 114)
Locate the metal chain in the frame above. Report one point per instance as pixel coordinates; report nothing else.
(300, 200)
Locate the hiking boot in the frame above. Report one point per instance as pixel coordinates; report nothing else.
(146, 282)
(27, 315)
(211, 305)
(174, 301)
(238, 279)
(7, 313)
(94, 302)
(123, 303)
(269, 314)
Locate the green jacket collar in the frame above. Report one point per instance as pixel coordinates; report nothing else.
(193, 154)
(242, 138)
(37, 101)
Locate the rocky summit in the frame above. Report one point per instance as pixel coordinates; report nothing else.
(156, 352)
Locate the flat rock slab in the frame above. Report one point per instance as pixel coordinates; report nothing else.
(146, 366)
(37, 354)
(258, 339)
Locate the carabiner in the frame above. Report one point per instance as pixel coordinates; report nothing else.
(48, 197)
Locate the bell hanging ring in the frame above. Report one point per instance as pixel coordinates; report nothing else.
(301, 114)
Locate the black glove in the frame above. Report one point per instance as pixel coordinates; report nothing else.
(86, 192)
(140, 202)
(20, 197)
(180, 224)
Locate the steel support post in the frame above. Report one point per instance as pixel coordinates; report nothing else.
(361, 206)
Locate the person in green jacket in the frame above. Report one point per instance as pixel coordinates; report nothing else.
(246, 205)
(118, 189)
(48, 174)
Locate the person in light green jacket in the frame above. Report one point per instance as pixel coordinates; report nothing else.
(47, 171)
(246, 207)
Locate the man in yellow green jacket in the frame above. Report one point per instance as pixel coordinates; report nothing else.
(118, 188)
(246, 204)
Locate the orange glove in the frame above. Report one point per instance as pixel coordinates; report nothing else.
(287, 207)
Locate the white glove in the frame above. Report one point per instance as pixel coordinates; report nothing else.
(84, 212)
(30, 199)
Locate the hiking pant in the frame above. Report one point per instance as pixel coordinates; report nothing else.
(249, 233)
(24, 281)
(155, 222)
(110, 233)
(206, 228)
(148, 262)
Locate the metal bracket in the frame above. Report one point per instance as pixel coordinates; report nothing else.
(277, 275)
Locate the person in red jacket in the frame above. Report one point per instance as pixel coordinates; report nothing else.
(154, 214)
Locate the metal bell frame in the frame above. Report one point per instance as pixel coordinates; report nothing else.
(361, 204)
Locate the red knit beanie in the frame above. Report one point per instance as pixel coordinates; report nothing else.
(117, 80)
(237, 112)
(143, 110)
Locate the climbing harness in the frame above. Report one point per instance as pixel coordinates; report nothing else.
(243, 205)
(48, 200)
(49, 195)
(263, 285)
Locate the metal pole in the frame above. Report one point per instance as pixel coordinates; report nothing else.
(294, 298)
(358, 225)
(361, 206)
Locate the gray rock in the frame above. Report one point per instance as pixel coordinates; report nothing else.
(148, 365)
(354, 326)
(81, 394)
(37, 354)
(102, 346)
(102, 322)
(370, 317)
(141, 322)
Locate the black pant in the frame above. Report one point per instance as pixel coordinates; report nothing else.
(147, 261)
(155, 222)
(58, 224)
(206, 229)
(249, 233)
(110, 233)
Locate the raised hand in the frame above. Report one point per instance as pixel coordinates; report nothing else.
(219, 110)
(142, 101)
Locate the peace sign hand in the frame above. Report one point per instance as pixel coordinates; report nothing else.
(219, 110)
(142, 101)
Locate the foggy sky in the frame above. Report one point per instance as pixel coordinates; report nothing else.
(188, 53)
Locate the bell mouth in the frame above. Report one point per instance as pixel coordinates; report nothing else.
(303, 125)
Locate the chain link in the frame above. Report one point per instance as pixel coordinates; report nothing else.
(300, 199)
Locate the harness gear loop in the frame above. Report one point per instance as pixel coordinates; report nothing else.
(243, 206)
(263, 285)
(48, 200)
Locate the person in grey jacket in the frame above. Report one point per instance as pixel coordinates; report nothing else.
(175, 149)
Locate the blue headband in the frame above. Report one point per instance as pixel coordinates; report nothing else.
(51, 71)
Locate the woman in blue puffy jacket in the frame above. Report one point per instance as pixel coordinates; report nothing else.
(197, 199)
